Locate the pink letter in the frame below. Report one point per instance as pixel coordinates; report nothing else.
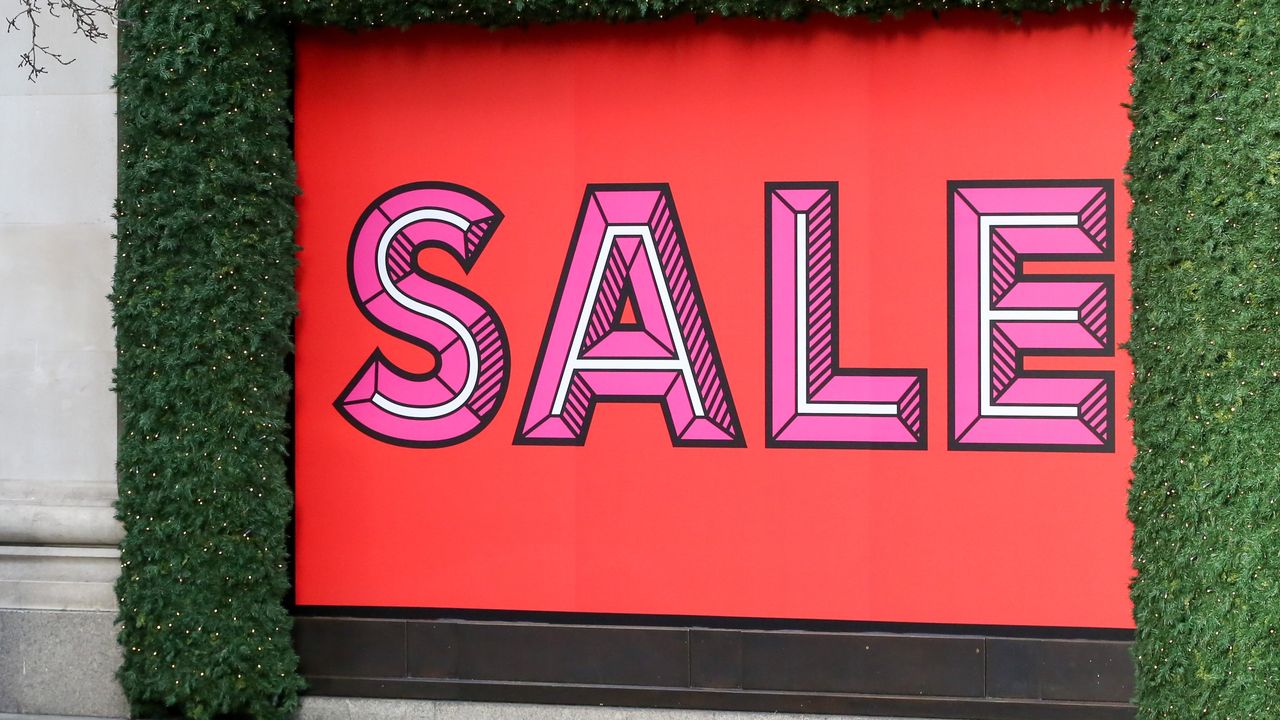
(628, 258)
(999, 315)
(811, 401)
(461, 394)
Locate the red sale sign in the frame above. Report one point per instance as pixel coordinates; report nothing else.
(737, 319)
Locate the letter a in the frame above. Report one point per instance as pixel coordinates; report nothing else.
(629, 324)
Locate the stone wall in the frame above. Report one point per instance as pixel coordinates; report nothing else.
(58, 558)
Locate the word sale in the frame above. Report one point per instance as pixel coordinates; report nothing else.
(629, 324)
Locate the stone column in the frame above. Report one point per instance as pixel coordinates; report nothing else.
(58, 534)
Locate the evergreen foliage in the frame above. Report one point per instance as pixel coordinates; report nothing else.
(204, 300)
(1205, 167)
(402, 13)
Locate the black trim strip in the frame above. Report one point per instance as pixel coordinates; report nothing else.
(712, 621)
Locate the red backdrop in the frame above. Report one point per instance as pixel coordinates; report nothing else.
(627, 523)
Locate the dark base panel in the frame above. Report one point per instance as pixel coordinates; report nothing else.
(975, 677)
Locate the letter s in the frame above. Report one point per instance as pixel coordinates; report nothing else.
(461, 394)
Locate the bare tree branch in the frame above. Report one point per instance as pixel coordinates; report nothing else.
(85, 14)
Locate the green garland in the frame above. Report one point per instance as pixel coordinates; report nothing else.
(1205, 162)
(204, 300)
